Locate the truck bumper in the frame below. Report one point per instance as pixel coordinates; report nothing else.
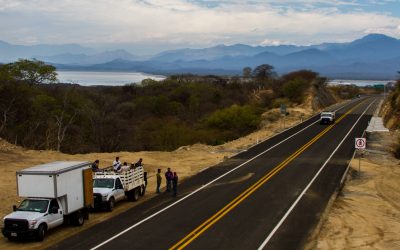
(325, 121)
(99, 204)
(31, 233)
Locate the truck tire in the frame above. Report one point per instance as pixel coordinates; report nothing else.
(136, 193)
(110, 204)
(142, 190)
(79, 219)
(41, 232)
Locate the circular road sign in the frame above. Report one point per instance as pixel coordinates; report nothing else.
(361, 143)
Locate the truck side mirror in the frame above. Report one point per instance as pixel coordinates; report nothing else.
(14, 208)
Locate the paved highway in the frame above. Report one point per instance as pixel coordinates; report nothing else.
(269, 197)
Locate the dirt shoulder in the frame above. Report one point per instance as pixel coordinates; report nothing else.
(366, 213)
(187, 161)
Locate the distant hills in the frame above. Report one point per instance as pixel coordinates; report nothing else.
(374, 56)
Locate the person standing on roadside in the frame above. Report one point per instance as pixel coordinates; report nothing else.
(169, 176)
(158, 180)
(175, 184)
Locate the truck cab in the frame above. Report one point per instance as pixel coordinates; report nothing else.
(107, 189)
(327, 117)
(33, 217)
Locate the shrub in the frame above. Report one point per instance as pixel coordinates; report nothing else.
(279, 101)
(294, 89)
(240, 119)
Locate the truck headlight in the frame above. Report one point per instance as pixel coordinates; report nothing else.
(32, 224)
(104, 198)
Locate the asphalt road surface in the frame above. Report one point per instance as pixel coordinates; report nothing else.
(268, 197)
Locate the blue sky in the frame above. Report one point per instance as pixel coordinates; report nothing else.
(150, 26)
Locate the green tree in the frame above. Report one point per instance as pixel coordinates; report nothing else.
(246, 72)
(264, 71)
(264, 75)
(31, 71)
(294, 89)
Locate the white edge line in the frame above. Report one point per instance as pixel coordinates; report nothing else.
(265, 242)
(207, 184)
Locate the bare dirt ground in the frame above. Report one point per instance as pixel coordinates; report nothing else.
(186, 161)
(366, 213)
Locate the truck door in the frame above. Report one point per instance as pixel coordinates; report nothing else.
(120, 193)
(55, 214)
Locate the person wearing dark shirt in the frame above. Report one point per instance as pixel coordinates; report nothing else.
(169, 176)
(175, 184)
(139, 163)
(159, 179)
(95, 166)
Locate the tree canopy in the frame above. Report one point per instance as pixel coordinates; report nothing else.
(30, 71)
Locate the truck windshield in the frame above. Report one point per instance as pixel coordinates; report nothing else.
(34, 205)
(103, 183)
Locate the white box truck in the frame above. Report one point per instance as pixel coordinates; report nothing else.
(110, 187)
(327, 117)
(55, 193)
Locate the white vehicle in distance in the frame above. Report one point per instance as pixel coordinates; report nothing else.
(327, 117)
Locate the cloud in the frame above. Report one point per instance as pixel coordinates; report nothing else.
(190, 23)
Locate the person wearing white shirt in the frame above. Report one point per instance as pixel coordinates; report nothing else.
(117, 164)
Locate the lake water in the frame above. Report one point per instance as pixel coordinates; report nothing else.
(359, 82)
(88, 78)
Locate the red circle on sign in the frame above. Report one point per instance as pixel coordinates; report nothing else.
(360, 143)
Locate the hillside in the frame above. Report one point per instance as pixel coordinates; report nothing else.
(391, 115)
(187, 161)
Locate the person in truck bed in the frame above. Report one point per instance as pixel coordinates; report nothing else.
(125, 167)
(117, 164)
(95, 166)
(139, 163)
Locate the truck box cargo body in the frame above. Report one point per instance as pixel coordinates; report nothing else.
(62, 180)
(55, 193)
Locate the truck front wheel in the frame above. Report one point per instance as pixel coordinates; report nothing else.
(111, 204)
(41, 232)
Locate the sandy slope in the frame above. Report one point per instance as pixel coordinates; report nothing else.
(187, 160)
(366, 214)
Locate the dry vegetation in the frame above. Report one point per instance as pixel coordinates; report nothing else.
(187, 160)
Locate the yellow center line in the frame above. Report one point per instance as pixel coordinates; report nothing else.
(231, 205)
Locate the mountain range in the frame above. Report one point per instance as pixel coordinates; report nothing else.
(374, 56)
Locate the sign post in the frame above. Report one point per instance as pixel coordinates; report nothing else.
(360, 144)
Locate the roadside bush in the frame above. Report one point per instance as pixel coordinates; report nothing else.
(239, 119)
(272, 116)
(294, 89)
(279, 101)
(345, 91)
